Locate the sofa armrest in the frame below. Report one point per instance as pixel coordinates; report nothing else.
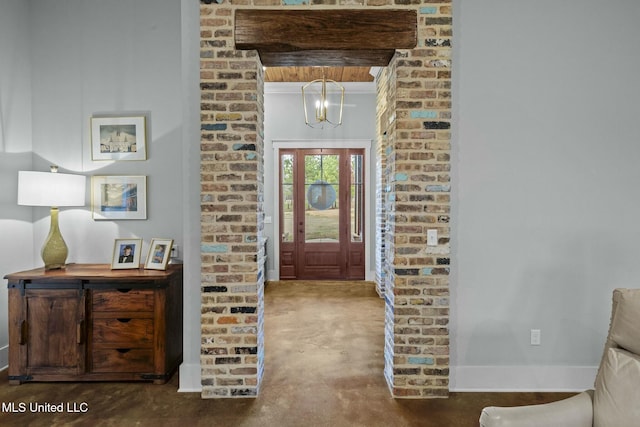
(575, 411)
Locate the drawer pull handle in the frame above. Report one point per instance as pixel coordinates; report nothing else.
(123, 350)
(123, 319)
(125, 290)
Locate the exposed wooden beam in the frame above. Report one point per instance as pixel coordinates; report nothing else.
(327, 58)
(325, 37)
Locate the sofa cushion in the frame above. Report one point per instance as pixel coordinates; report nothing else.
(616, 401)
(624, 326)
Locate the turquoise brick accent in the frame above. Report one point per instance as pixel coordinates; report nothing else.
(401, 177)
(217, 126)
(427, 271)
(428, 10)
(424, 114)
(421, 361)
(294, 2)
(442, 301)
(214, 248)
(439, 188)
(250, 156)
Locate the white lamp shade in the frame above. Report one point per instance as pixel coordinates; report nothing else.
(50, 189)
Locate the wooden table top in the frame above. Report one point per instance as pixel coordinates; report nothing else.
(92, 272)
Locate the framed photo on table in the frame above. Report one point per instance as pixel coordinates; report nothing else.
(119, 197)
(159, 253)
(118, 138)
(126, 253)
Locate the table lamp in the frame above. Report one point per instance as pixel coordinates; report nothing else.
(54, 190)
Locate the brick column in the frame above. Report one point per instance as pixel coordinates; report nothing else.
(415, 92)
(231, 206)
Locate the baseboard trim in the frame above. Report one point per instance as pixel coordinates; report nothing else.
(190, 378)
(522, 378)
(370, 276)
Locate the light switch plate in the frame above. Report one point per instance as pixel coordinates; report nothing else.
(432, 237)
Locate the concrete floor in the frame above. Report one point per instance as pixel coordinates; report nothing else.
(323, 367)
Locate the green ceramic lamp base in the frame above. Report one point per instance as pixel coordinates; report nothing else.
(54, 252)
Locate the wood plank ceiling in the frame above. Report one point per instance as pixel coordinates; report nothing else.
(306, 74)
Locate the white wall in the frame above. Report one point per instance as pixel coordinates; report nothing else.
(80, 58)
(96, 57)
(546, 206)
(15, 149)
(284, 123)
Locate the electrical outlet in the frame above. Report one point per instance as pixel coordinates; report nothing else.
(174, 251)
(535, 337)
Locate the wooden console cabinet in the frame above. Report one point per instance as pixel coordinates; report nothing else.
(90, 323)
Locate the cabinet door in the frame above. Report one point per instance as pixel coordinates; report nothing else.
(55, 331)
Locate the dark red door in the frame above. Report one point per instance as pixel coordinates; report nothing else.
(321, 214)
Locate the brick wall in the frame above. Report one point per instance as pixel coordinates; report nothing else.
(416, 179)
(413, 145)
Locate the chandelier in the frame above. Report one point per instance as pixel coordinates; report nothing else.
(323, 100)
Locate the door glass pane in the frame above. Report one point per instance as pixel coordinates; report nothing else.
(322, 220)
(286, 198)
(356, 197)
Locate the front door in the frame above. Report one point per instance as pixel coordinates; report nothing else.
(322, 214)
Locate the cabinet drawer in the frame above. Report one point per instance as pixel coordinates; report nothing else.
(123, 300)
(122, 360)
(126, 331)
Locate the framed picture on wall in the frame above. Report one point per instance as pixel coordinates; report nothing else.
(118, 138)
(126, 253)
(119, 197)
(159, 253)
